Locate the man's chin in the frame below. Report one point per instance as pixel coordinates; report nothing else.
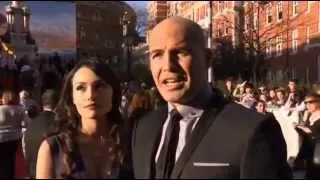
(174, 97)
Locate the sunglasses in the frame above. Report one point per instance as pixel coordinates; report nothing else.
(310, 102)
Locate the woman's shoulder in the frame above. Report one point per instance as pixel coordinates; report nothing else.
(54, 143)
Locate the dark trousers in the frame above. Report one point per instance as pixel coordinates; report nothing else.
(7, 159)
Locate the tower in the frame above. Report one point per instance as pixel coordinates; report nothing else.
(18, 18)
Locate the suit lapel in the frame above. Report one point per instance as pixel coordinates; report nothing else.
(212, 109)
(150, 137)
(196, 136)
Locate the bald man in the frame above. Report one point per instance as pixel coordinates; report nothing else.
(198, 134)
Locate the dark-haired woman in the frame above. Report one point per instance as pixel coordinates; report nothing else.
(88, 141)
(310, 131)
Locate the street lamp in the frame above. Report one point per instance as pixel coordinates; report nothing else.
(210, 68)
(125, 21)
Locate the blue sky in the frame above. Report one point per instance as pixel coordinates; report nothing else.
(142, 4)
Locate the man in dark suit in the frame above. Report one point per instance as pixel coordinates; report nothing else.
(198, 134)
(38, 127)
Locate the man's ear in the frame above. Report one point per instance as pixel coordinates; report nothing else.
(208, 56)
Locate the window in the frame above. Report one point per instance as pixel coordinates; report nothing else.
(268, 15)
(175, 9)
(247, 23)
(79, 15)
(106, 44)
(83, 34)
(279, 45)
(279, 11)
(280, 75)
(308, 35)
(308, 75)
(269, 47)
(294, 41)
(226, 31)
(219, 31)
(293, 73)
(295, 7)
(220, 6)
(255, 21)
(193, 15)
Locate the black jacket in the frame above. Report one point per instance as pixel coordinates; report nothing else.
(236, 143)
(35, 133)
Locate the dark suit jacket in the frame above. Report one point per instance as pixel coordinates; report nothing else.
(242, 143)
(34, 135)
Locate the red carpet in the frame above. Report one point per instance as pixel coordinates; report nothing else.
(21, 165)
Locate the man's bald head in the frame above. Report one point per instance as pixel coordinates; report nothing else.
(176, 26)
(178, 58)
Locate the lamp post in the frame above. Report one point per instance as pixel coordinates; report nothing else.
(210, 68)
(125, 21)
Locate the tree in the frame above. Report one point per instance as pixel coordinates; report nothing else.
(255, 38)
(142, 16)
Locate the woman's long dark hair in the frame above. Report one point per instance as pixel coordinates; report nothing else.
(68, 119)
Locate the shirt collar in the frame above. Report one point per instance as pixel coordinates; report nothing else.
(191, 112)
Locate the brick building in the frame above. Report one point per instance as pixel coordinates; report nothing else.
(287, 32)
(99, 32)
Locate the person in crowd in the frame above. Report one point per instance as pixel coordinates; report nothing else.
(292, 86)
(295, 102)
(38, 127)
(228, 89)
(263, 97)
(187, 138)
(239, 91)
(263, 90)
(139, 105)
(124, 101)
(88, 142)
(280, 93)
(260, 106)
(272, 97)
(30, 106)
(310, 132)
(248, 98)
(12, 118)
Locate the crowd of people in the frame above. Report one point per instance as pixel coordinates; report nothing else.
(296, 108)
(89, 124)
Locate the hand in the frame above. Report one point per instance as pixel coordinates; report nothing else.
(243, 84)
(304, 128)
(295, 124)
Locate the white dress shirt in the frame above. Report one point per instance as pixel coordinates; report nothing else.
(191, 116)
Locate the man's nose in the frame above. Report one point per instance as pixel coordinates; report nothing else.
(170, 62)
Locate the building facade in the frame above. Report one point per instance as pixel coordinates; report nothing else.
(100, 32)
(18, 35)
(286, 32)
